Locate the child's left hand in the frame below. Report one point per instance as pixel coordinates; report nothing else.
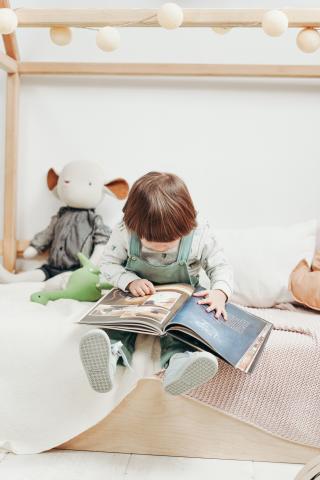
(216, 299)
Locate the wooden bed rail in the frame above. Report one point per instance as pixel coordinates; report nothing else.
(169, 69)
(21, 245)
(193, 17)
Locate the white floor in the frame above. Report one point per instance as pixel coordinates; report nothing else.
(101, 466)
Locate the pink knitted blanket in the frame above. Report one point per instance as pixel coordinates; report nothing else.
(282, 394)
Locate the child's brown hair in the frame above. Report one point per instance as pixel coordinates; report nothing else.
(159, 208)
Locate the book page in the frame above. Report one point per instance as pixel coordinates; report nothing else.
(237, 340)
(119, 308)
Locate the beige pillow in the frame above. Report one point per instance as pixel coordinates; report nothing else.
(304, 283)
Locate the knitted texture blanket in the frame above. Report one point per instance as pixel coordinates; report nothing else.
(282, 394)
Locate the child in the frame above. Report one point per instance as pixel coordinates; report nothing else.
(159, 241)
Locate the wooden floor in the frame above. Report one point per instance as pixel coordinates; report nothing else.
(114, 466)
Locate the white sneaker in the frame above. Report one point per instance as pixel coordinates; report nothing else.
(99, 359)
(189, 370)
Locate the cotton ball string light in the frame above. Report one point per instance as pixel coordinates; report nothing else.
(61, 35)
(170, 16)
(221, 30)
(108, 39)
(274, 23)
(8, 21)
(308, 40)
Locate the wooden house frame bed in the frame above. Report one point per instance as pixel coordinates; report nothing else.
(148, 421)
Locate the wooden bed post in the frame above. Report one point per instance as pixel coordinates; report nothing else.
(10, 190)
(8, 63)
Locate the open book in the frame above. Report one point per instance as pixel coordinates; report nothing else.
(173, 310)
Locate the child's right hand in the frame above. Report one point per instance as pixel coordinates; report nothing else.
(141, 287)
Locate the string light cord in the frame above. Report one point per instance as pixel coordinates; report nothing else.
(170, 16)
(126, 24)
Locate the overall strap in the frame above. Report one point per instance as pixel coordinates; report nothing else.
(134, 246)
(185, 247)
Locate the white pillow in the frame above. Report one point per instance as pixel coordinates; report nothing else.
(263, 259)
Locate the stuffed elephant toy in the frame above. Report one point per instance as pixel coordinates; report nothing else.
(76, 227)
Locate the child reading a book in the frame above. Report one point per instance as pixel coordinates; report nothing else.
(159, 241)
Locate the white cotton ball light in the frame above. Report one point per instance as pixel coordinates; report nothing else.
(308, 40)
(170, 16)
(8, 21)
(108, 39)
(60, 35)
(221, 30)
(275, 23)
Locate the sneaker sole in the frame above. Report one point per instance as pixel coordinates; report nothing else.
(95, 353)
(200, 371)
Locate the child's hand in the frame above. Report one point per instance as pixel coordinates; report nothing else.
(141, 287)
(216, 299)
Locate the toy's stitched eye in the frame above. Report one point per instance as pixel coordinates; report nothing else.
(67, 181)
(90, 183)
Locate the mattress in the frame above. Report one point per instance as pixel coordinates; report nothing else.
(45, 399)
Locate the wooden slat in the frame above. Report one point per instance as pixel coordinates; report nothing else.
(21, 245)
(8, 64)
(175, 69)
(193, 17)
(10, 41)
(11, 148)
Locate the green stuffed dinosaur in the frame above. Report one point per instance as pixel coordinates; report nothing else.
(83, 285)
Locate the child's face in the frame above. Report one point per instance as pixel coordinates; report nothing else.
(160, 246)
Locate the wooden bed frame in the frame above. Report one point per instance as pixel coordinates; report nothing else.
(148, 421)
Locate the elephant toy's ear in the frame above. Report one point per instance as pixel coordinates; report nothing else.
(52, 181)
(118, 188)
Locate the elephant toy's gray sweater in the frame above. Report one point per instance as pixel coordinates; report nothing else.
(71, 231)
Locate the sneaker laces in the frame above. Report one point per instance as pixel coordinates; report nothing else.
(117, 350)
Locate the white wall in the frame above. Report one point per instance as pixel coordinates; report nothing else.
(248, 149)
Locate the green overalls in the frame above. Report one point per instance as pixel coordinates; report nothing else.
(176, 272)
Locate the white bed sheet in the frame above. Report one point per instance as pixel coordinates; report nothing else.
(45, 398)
